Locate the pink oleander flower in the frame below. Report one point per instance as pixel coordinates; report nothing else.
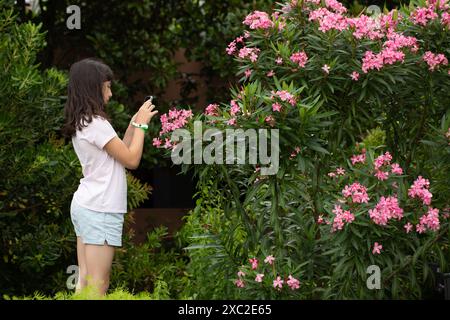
(157, 142)
(320, 220)
(212, 110)
(168, 144)
(258, 20)
(430, 220)
(396, 169)
(391, 56)
(408, 227)
(387, 21)
(445, 19)
(443, 5)
(239, 283)
(231, 122)
(271, 73)
(251, 53)
(385, 210)
(174, 119)
(241, 274)
(365, 26)
(240, 39)
(278, 283)
(269, 259)
(398, 41)
(248, 73)
(359, 158)
(419, 189)
(293, 283)
(377, 248)
(329, 20)
(381, 175)
(384, 159)
(326, 68)
(335, 6)
(294, 153)
(420, 228)
(371, 61)
(357, 191)
(270, 120)
(341, 218)
(340, 171)
(332, 174)
(234, 107)
(232, 46)
(354, 76)
(259, 277)
(422, 16)
(434, 60)
(254, 263)
(276, 107)
(300, 58)
(231, 49)
(286, 96)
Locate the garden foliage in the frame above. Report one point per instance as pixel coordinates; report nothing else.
(39, 169)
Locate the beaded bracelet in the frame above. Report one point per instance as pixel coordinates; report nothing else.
(144, 127)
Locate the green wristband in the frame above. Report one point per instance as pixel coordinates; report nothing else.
(144, 127)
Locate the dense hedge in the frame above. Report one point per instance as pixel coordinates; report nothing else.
(39, 170)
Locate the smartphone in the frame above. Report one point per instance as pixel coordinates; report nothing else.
(149, 98)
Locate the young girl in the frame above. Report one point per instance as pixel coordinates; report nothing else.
(100, 202)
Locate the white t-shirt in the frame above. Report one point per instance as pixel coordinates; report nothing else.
(103, 187)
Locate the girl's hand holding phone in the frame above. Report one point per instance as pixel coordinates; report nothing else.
(145, 113)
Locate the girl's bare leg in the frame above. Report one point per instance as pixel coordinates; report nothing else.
(98, 261)
(82, 268)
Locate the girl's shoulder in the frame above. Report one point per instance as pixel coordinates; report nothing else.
(98, 120)
(95, 122)
(98, 117)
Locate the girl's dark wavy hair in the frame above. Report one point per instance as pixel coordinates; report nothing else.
(84, 94)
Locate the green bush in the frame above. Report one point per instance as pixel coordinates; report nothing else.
(211, 239)
(39, 170)
(145, 266)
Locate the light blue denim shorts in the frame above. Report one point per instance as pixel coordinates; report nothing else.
(97, 227)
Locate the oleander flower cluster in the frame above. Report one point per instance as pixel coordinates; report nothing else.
(378, 201)
(265, 274)
(174, 119)
(331, 15)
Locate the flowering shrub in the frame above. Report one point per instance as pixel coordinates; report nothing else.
(324, 79)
